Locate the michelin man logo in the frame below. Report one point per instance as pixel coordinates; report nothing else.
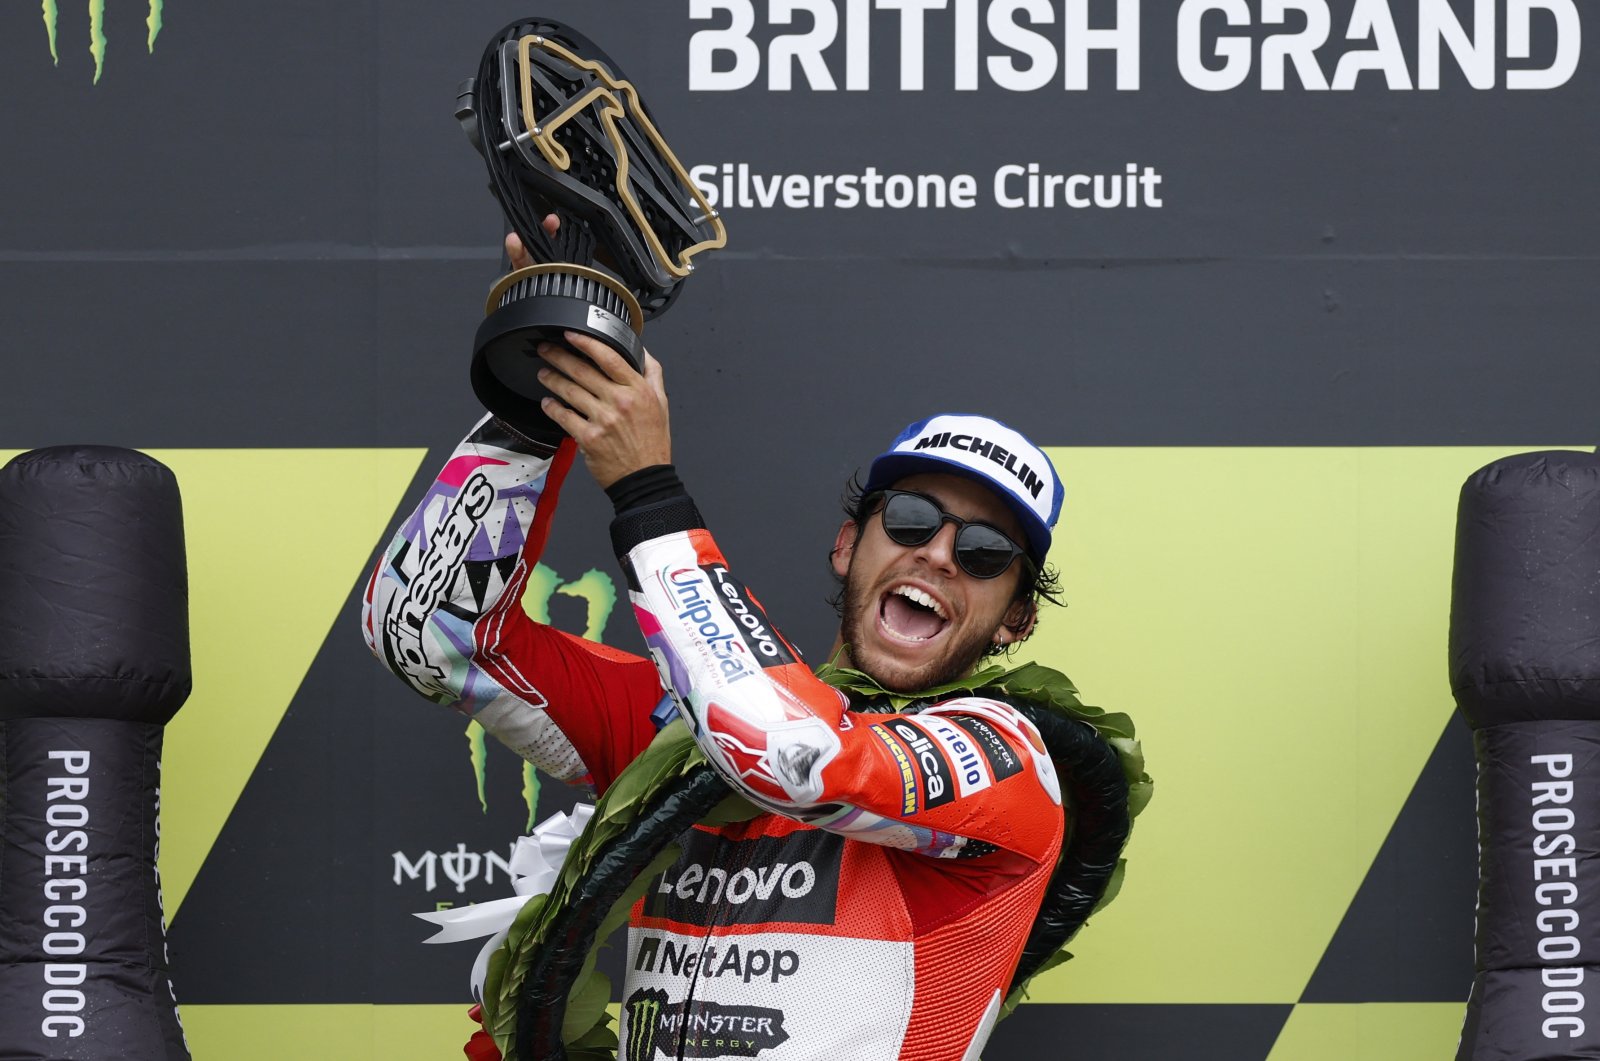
(97, 31)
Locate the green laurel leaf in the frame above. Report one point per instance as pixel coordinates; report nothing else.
(586, 1006)
(668, 757)
(600, 1037)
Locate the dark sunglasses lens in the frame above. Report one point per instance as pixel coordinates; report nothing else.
(910, 520)
(983, 552)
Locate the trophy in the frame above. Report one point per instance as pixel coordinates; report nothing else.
(564, 132)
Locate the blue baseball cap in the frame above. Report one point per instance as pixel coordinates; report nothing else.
(981, 448)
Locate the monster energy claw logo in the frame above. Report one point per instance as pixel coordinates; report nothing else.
(97, 31)
(599, 594)
(699, 1029)
(644, 1020)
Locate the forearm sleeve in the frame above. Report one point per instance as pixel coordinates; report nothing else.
(443, 611)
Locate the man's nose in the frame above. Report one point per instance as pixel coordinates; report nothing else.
(940, 550)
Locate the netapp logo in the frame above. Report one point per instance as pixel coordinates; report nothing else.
(1000, 455)
(1023, 45)
(710, 960)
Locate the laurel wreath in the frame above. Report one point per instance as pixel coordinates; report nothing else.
(652, 789)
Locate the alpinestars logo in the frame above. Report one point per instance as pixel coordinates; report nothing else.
(698, 1029)
(97, 31)
(447, 548)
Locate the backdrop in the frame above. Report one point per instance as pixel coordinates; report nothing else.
(1270, 278)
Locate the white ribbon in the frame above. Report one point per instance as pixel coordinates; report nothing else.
(535, 864)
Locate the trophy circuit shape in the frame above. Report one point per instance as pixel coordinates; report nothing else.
(562, 131)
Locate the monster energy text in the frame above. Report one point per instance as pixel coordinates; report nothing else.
(698, 1029)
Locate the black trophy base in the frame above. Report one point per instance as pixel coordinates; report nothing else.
(505, 362)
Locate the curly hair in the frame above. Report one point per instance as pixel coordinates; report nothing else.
(1045, 585)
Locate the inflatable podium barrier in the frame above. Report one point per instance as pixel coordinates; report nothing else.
(94, 660)
(1525, 670)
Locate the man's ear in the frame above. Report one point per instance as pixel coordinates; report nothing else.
(1018, 621)
(844, 545)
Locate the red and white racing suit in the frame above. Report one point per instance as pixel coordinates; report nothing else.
(875, 912)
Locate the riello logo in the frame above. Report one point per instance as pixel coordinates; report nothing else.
(97, 31)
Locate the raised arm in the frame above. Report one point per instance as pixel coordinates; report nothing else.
(958, 779)
(443, 611)
(962, 778)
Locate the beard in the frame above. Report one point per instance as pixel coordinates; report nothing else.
(961, 653)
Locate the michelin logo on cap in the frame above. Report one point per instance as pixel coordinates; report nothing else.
(985, 449)
(977, 445)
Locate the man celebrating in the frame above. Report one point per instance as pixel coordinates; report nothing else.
(876, 908)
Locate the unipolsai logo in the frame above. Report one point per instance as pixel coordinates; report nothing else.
(97, 31)
(598, 594)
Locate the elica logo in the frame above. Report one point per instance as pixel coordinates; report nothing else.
(1023, 45)
(936, 782)
(97, 31)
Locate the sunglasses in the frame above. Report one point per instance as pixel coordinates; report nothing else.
(982, 551)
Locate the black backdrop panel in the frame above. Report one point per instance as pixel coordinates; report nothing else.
(268, 231)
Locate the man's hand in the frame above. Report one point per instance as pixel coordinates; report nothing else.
(617, 416)
(517, 254)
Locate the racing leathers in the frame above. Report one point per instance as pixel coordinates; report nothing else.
(874, 910)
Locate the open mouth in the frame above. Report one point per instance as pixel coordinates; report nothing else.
(911, 614)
